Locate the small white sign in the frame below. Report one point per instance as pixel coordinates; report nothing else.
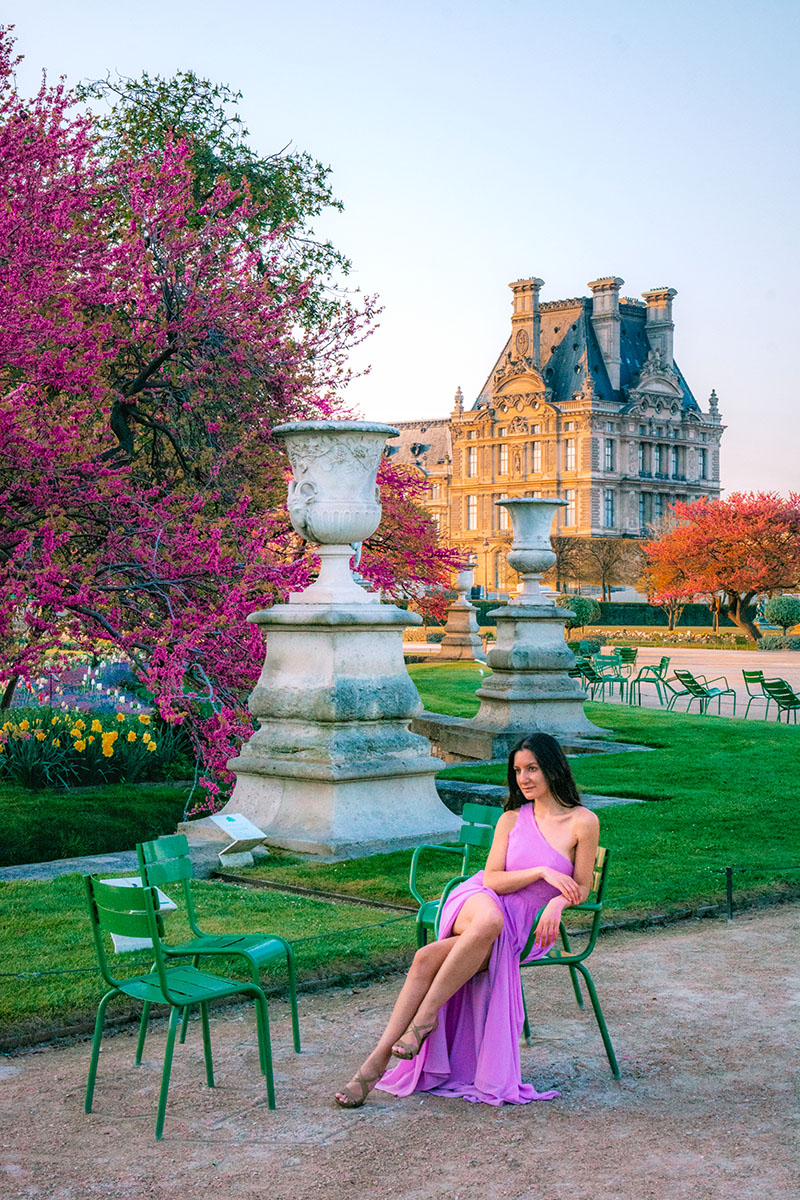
(122, 943)
(244, 834)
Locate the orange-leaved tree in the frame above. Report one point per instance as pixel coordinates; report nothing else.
(728, 552)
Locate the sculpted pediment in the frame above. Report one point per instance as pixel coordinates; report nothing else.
(519, 375)
(656, 379)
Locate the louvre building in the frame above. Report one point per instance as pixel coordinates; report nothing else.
(585, 402)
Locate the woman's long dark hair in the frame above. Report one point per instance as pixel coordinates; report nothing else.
(554, 766)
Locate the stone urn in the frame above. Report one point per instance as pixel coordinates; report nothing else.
(333, 499)
(531, 550)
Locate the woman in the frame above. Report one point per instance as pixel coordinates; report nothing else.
(456, 1024)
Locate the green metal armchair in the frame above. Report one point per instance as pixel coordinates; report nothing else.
(786, 699)
(699, 688)
(133, 912)
(476, 832)
(166, 861)
(565, 956)
(650, 674)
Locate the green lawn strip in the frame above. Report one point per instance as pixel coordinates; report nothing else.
(50, 824)
(45, 927)
(449, 687)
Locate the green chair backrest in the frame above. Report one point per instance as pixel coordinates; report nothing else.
(127, 912)
(663, 665)
(165, 860)
(479, 821)
(779, 689)
(753, 681)
(690, 683)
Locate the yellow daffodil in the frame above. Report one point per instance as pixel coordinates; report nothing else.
(152, 746)
(90, 739)
(120, 716)
(56, 742)
(144, 718)
(40, 735)
(54, 721)
(75, 731)
(97, 727)
(145, 737)
(24, 725)
(131, 735)
(80, 724)
(80, 745)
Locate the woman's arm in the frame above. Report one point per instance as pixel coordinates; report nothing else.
(588, 830)
(501, 881)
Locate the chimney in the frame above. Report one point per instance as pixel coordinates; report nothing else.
(526, 323)
(659, 321)
(606, 322)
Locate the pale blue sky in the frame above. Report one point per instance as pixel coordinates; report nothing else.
(477, 143)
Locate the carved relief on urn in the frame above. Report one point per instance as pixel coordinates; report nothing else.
(333, 498)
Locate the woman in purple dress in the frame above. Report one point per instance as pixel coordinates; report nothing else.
(456, 1024)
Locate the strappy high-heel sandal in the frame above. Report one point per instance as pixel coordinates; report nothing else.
(366, 1084)
(419, 1034)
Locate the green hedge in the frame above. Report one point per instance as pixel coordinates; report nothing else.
(612, 613)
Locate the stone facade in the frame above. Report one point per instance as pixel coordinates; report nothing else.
(586, 403)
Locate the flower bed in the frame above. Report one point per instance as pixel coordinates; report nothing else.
(41, 747)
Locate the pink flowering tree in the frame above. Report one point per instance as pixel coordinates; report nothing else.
(148, 346)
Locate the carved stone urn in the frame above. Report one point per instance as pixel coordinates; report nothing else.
(333, 499)
(531, 552)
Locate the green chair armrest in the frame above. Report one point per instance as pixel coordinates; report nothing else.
(412, 877)
(448, 888)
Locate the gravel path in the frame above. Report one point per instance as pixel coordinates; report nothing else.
(699, 1014)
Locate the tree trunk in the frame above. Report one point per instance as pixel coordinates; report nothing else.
(737, 606)
(8, 694)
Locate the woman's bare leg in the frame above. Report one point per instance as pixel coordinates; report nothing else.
(477, 928)
(427, 962)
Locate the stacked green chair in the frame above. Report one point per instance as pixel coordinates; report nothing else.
(575, 961)
(603, 679)
(133, 912)
(628, 656)
(476, 832)
(787, 700)
(166, 861)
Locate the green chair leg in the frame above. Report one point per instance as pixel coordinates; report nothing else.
(526, 1026)
(601, 1024)
(185, 1018)
(265, 1045)
(293, 997)
(142, 1032)
(207, 1045)
(174, 1017)
(98, 1033)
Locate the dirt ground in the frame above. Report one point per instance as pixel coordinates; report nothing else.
(699, 1014)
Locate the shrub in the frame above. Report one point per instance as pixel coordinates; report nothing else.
(436, 636)
(586, 610)
(41, 747)
(783, 611)
(777, 642)
(591, 646)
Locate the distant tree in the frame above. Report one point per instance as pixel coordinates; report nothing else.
(567, 549)
(586, 610)
(728, 552)
(783, 611)
(608, 560)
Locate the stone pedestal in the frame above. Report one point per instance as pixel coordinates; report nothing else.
(332, 769)
(461, 638)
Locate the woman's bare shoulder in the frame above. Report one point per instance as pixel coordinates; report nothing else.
(585, 820)
(508, 819)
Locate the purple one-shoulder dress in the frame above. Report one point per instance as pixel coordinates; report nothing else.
(474, 1052)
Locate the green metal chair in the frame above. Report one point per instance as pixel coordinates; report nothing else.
(133, 912)
(754, 683)
(166, 861)
(628, 656)
(650, 674)
(477, 831)
(786, 699)
(565, 956)
(699, 688)
(603, 679)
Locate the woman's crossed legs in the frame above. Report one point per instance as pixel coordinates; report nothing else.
(437, 972)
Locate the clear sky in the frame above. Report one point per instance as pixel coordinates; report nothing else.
(476, 143)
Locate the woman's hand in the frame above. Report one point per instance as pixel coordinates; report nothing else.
(569, 889)
(547, 928)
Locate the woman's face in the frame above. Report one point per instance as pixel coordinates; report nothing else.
(530, 777)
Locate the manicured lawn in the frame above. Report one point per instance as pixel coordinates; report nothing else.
(44, 927)
(718, 792)
(49, 824)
